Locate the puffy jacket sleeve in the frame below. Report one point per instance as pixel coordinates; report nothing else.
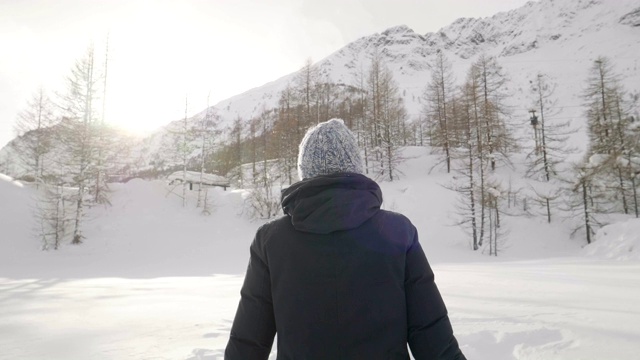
(430, 334)
(254, 326)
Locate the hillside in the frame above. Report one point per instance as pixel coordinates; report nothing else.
(155, 280)
(560, 38)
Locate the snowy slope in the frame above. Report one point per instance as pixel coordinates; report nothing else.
(559, 37)
(619, 241)
(145, 232)
(155, 280)
(15, 212)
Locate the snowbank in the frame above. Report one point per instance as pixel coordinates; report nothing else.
(194, 177)
(16, 225)
(619, 241)
(145, 233)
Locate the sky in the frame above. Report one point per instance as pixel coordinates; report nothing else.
(165, 55)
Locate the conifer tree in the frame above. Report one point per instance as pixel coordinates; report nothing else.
(104, 142)
(610, 132)
(207, 135)
(588, 200)
(478, 113)
(467, 207)
(550, 144)
(78, 133)
(51, 214)
(180, 147)
(236, 137)
(495, 232)
(437, 108)
(34, 124)
(306, 83)
(491, 79)
(264, 203)
(286, 134)
(386, 115)
(361, 115)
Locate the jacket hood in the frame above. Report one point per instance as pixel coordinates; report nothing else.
(329, 203)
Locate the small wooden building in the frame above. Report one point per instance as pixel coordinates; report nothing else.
(197, 180)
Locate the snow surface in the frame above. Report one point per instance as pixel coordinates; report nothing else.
(154, 280)
(619, 241)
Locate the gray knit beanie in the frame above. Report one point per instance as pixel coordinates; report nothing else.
(329, 148)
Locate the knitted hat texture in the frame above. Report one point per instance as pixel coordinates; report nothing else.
(328, 148)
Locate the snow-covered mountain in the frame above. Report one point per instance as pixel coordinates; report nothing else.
(560, 38)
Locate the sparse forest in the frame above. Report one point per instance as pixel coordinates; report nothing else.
(466, 123)
(471, 127)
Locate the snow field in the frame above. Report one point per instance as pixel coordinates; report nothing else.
(115, 318)
(157, 281)
(561, 309)
(544, 309)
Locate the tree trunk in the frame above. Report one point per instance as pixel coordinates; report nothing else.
(548, 211)
(635, 195)
(623, 193)
(587, 220)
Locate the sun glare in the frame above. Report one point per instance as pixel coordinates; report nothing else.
(145, 47)
(161, 54)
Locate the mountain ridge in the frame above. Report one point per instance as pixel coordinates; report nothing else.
(503, 35)
(558, 37)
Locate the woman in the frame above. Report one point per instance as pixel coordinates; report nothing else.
(337, 277)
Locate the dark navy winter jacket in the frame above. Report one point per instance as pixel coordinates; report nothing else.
(339, 278)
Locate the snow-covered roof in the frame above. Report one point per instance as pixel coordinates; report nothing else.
(10, 180)
(194, 177)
